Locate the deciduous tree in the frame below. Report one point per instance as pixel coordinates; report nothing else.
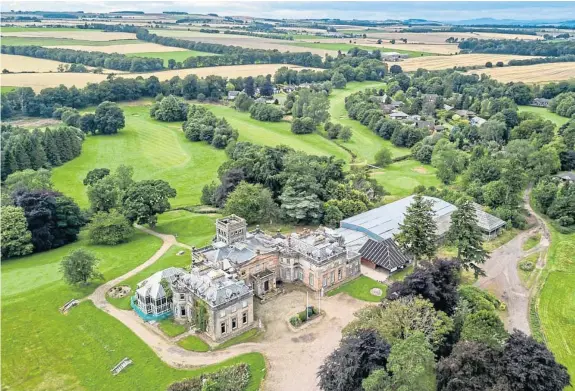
(144, 200)
(252, 202)
(109, 228)
(95, 175)
(79, 266)
(109, 118)
(15, 237)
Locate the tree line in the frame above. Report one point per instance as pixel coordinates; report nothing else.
(23, 149)
(520, 47)
(543, 60)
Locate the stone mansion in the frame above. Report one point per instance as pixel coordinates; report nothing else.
(317, 258)
(216, 295)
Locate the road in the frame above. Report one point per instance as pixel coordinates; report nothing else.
(502, 277)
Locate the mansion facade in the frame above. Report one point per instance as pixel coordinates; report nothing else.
(318, 259)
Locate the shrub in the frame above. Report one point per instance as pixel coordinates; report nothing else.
(295, 321)
(232, 378)
(303, 125)
(527, 266)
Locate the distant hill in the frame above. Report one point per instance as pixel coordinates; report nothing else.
(493, 21)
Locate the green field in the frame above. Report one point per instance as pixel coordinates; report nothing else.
(364, 143)
(189, 228)
(194, 344)
(360, 289)
(171, 328)
(345, 47)
(556, 303)
(45, 350)
(40, 41)
(6, 89)
(400, 178)
(545, 113)
(278, 133)
(156, 150)
(179, 56)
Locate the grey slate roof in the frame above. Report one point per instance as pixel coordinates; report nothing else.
(215, 287)
(385, 254)
(486, 221)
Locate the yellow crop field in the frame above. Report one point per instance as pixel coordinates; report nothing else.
(540, 73)
(443, 62)
(27, 64)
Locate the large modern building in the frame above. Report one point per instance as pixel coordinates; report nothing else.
(318, 258)
(371, 233)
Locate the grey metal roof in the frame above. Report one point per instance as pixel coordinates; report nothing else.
(486, 221)
(566, 175)
(385, 254)
(383, 222)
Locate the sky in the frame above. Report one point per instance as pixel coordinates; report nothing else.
(278, 9)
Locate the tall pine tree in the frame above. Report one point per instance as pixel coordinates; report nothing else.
(51, 148)
(465, 234)
(417, 234)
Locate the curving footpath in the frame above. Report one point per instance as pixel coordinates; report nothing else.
(292, 361)
(502, 277)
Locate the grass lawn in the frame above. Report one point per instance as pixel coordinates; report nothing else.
(170, 258)
(156, 150)
(40, 41)
(171, 328)
(194, 343)
(248, 336)
(179, 56)
(360, 289)
(400, 178)
(345, 47)
(401, 274)
(278, 133)
(531, 242)
(6, 89)
(556, 302)
(545, 113)
(191, 228)
(364, 143)
(45, 350)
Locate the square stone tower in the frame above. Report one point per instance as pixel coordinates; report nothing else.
(231, 229)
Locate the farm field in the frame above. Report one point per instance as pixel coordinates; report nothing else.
(400, 178)
(153, 49)
(241, 40)
(78, 34)
(18, 29)
(156, 150)
(542, 111)
(436, 48)
(540, 73)
(63, 42)
(77, 351)
(364, 143)
(445, 62)
(435, 37)
(28, 64)
(556, 303)
(178, 56)
(278, 133)
(345, 47)
(39, 81)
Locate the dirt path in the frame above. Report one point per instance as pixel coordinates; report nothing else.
(502, 277)
(292, 361)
